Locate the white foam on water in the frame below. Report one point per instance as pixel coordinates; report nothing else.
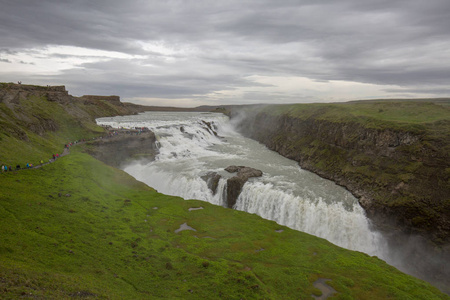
(192, 144)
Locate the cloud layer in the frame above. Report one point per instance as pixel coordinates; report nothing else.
(208, 52)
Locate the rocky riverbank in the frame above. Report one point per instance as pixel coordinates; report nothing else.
(120, 146)
(398, 173)
(394, 157)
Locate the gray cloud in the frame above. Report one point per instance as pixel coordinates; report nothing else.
(216, 45)
(26, 63)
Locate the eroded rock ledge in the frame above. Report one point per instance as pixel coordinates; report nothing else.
(116, 149)
(234, 184)
(399, 176)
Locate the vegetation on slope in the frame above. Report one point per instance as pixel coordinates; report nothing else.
(80, 228)
(394, 152)
(33, 127)
(420, 116)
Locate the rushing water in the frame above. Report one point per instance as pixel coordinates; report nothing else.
(193, 144)
(287, 194)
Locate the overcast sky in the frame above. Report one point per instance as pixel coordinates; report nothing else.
(190, 53)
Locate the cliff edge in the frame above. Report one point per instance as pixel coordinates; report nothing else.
(392, 155)
(36, 120)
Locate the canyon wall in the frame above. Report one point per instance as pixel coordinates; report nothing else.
(401, 177)
(117, 150)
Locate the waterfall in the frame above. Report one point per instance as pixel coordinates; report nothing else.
(192, 144)
(332, 221)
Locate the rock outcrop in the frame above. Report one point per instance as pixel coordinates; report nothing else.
(234, 184)
(12, 93)
(30, 113)
(117, 150)
(100, 106)
(212, 180)
(113, 98)
(210, 127)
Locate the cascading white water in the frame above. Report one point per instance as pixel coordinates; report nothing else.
(287, 194)
(328, 220)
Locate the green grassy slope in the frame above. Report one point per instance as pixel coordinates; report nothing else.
(33, 128)
(79, 228)
(114, 237)
(415, 116)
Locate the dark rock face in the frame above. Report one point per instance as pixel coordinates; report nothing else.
(212, 180)
(235, 184)
(210, 127)
(116, 150)
(244, 172)
(42, 125)
(234, 188)
(397, 175)
(115, 99)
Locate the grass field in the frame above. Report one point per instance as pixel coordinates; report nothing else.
(406, 115)
(80, 228)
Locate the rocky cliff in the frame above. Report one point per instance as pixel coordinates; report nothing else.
(12, 94)
(399, 173)
(36, 120)
(234, 184)
(117, 148)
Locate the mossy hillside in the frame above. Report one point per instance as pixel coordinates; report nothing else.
(33, 128)
(79, 227)
(380, 114)
(428, 118)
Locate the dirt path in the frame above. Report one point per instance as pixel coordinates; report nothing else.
(114, 132)
(65, 152)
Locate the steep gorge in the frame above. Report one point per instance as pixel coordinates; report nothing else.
(400, 175)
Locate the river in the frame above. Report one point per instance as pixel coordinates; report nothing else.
(193, 144)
